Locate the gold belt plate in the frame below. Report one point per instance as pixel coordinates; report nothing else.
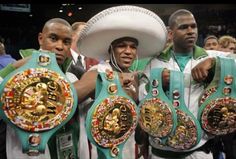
(185, 136)
(37, 99)
(219, 116)
(113, 121)
(156, 117)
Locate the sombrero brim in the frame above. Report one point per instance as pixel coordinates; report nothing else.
(123, 21)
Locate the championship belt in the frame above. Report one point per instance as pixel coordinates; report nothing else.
(217, 112)
(37, 100)
(157, 115)
(112, 118)
(188, 130)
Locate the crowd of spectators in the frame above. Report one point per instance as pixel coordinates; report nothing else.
(210, 22)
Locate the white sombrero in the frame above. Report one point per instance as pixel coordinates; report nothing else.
(123, 21)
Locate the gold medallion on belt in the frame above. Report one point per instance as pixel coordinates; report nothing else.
(37, 99)
(113, 121)
(156, 117)
(219, 116)
(185, 136)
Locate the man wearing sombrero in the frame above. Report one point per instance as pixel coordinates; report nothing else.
(117, 36)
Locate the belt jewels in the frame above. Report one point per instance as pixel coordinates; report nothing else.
(157, 115)
(112, 118)
(188, 132)
(37, 100)
(217, 112)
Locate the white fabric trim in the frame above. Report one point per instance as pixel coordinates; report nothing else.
(75, 58)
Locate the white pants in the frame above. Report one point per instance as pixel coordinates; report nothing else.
(128, 150)
(194, 155)
(14, 148)
(83, 147)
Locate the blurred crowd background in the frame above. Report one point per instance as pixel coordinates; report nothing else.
(19, 27)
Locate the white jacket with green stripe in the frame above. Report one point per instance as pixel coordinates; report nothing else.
(193, 90)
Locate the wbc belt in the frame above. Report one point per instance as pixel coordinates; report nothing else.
(217, 112)
(187, 133)
(157, 115)
(36, 100)
(112, 118)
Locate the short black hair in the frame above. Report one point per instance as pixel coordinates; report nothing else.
(57, 20)
(126, 38)
(210, 37)
(173, 16)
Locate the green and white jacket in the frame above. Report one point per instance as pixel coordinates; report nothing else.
(193, 90)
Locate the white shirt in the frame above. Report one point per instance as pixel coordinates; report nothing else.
(83, 146)
(75, 55)
(75, 58)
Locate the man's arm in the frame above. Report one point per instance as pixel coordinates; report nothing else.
(11, 67)
(201, 71)
(85, 87)
(205, 69)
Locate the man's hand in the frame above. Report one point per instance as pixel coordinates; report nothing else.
(142, 151)
(129, 82)
(165, 78)
(21, 62)
(77, 70)
(200, 71)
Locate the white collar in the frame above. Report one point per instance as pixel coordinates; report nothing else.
(75, 56)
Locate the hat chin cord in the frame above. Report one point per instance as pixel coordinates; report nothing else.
(114, 62)
(136, 64)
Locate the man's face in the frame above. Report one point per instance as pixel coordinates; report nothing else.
(56, 38)
(78, 32)
(185, 32)
(75, 37)
(125, 53)
(230, 48)
(211, 44)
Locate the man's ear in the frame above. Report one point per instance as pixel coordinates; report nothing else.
(170, 34)
(110, 49)
(40, 37)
